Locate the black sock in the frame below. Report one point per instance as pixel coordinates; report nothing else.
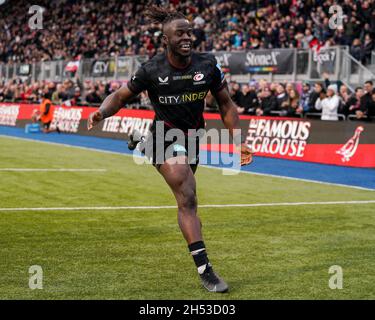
(199, 254)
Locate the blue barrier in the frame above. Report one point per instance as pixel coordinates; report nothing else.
(32, 128)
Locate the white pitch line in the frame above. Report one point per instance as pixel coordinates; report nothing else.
(238, 205)
(50, 170)
(206, 166)
(293, 178)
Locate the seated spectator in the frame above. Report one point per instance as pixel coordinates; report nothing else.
(281, 97)
(366, 101)
(2, 93)
(344, 97)
(77, 99)
(353, 103)
(294, 107)
(305, 97)
(329, 103)
(69, 89)
(59, 95)
(93, 95)
(268, 102)
(235, 92)
(371, 109)
(318, 90)
(248, 101)
(289, 87)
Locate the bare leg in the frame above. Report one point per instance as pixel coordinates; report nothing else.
(181, 180)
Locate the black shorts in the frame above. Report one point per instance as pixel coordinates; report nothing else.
(46, 125)
(159, 150)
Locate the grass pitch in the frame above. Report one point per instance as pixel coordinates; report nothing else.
(263, 252)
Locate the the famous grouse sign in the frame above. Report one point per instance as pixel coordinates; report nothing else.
(278, 137)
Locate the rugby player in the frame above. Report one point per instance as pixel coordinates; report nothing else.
(177, 82)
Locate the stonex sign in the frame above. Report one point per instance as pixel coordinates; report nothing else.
(343, 143)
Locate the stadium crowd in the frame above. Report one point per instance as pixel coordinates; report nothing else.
(254, 98)
(74, 29)
(89, 29)
(323, 98)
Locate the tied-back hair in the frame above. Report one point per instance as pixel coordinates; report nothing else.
(162, 15)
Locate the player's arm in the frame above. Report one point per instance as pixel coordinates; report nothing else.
(229, 115)
(110, 106)
(115, 101)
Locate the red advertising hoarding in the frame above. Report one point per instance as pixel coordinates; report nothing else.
(343, 143)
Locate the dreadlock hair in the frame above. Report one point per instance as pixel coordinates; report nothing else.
(162, 15)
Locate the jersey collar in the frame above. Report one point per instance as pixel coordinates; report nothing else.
(178, 68)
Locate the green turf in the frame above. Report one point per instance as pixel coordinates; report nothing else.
(262, 252)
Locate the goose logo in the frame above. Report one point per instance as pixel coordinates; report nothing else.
(350, 147)
(198, 77)
(163, 81)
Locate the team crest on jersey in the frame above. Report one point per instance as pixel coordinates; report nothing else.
(163, 81)
(198, 77)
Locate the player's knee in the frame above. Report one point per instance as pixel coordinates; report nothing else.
(188, 202)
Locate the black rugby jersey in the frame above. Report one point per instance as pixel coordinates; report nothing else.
(177, 95)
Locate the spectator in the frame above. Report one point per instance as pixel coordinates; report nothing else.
(314, 96)
(368, 46)
(305, 97)
(93, 95)
(288, 88)
(281, 97)
(371, 109)
(344, 97)
(353, 103)
(356, 49)
(248, 101)
(294, 107)
(366, 101)
(77, 99)
(92, 30)
(59, 95)
(290, 107)
(268, 102)
(1, 93)
(329, 104)
(235, 92)
(69, 89)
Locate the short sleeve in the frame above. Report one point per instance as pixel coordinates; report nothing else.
(218, 81)
(139, 81)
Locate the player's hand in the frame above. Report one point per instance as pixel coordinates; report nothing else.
(246, 155)
(94, 119)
